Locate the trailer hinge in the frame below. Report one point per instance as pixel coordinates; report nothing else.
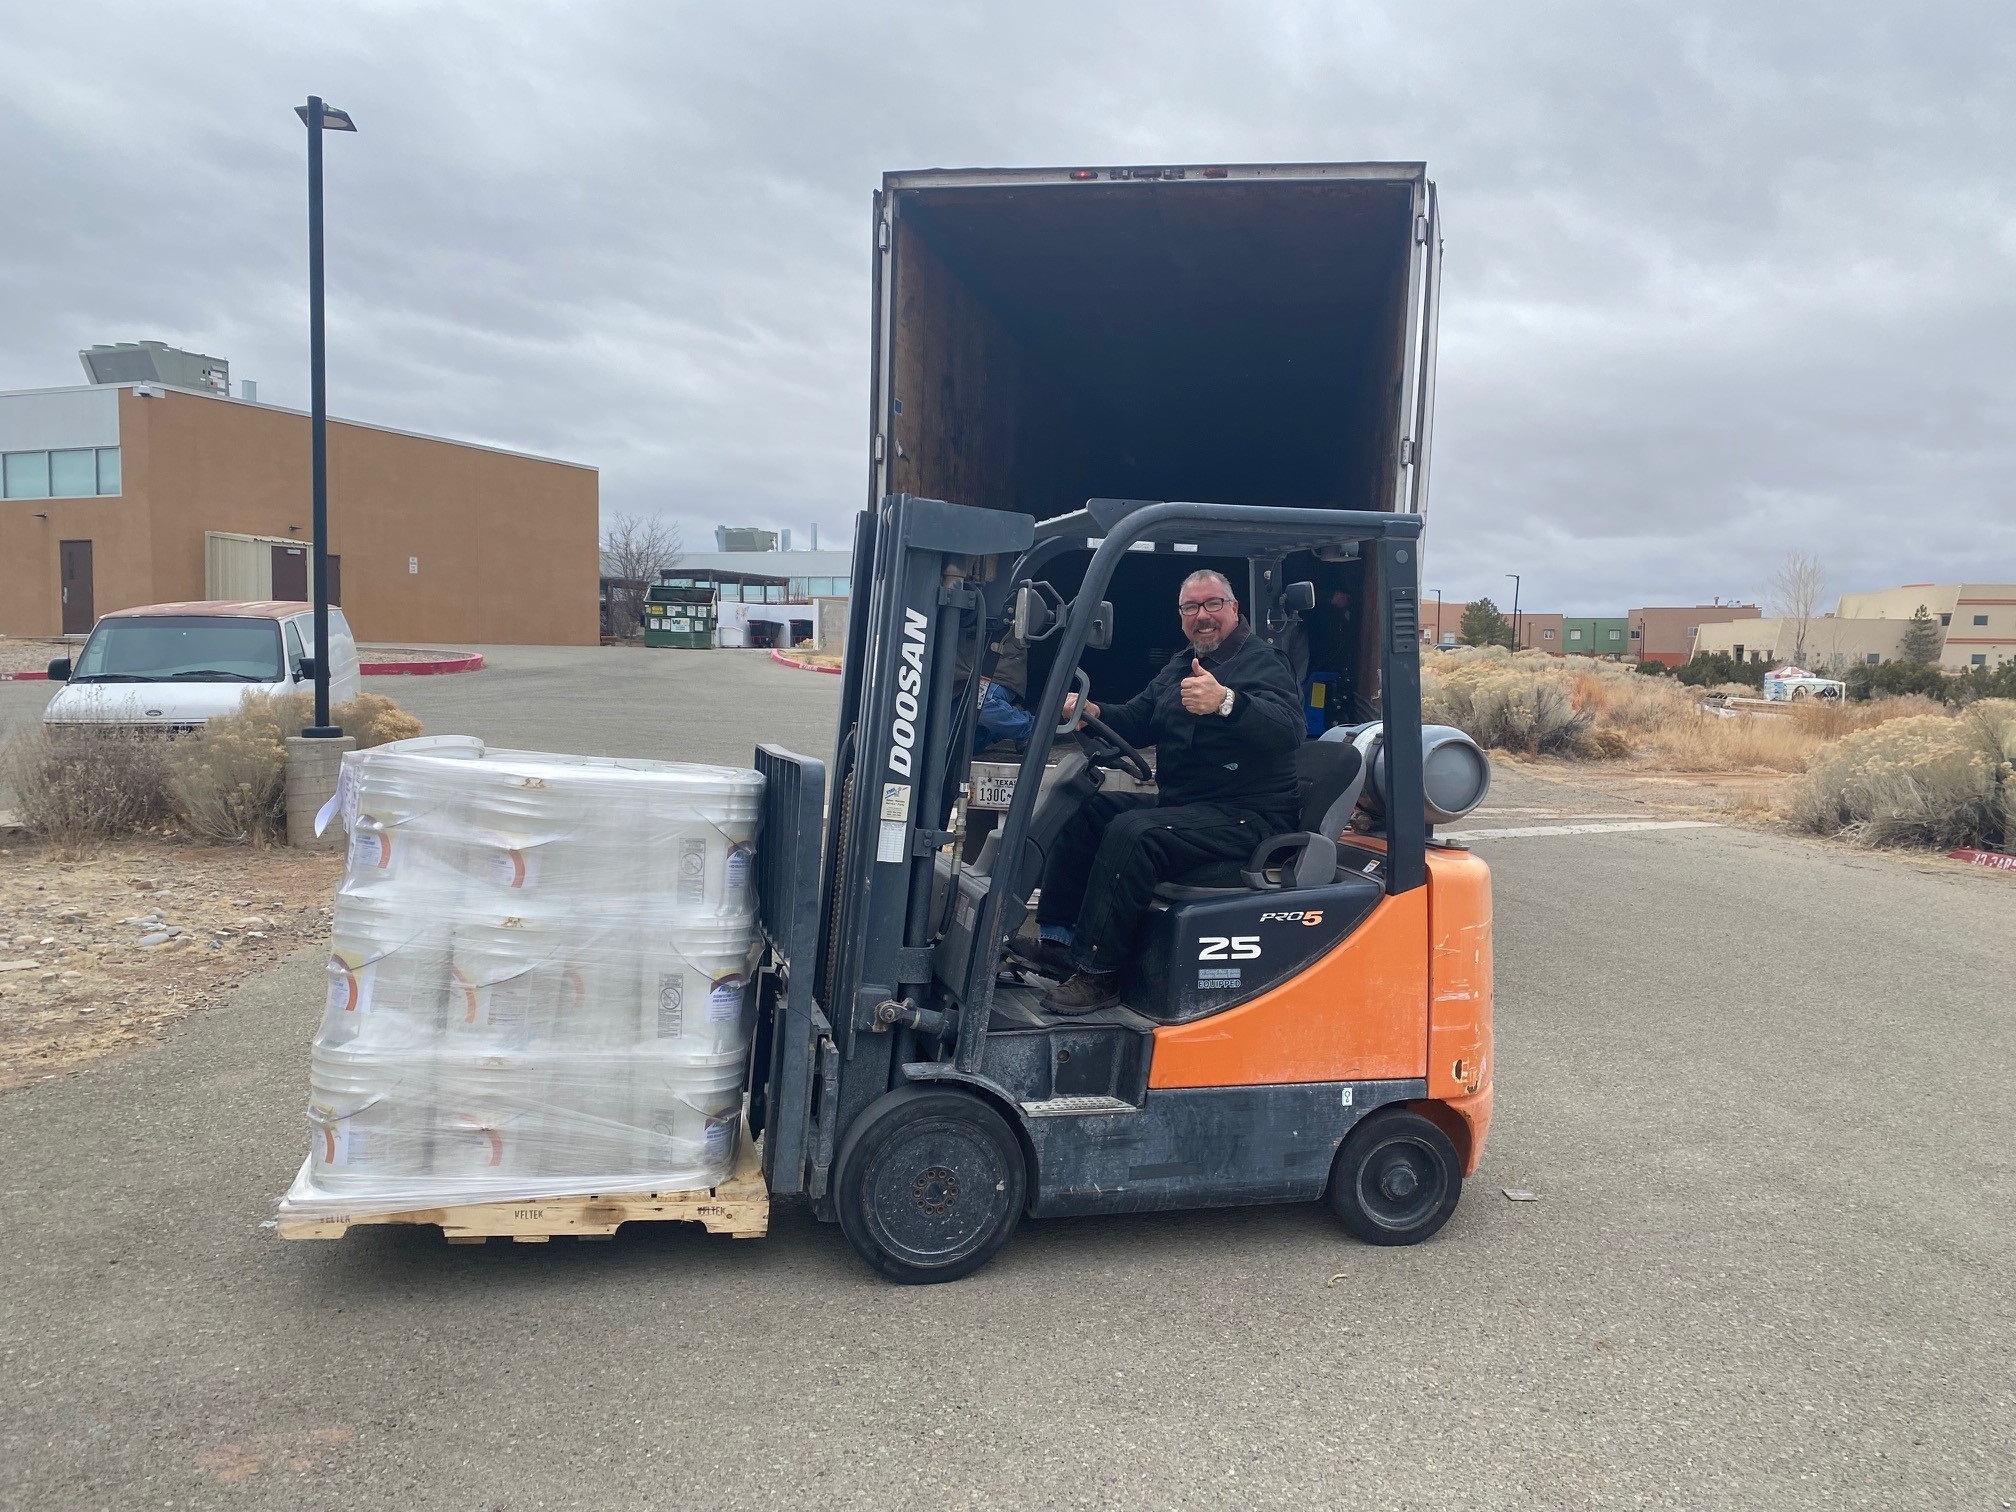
(878, 446)
(1421, 230)
(1406, 451)
(882, 236)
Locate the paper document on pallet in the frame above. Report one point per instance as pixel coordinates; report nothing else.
(539, 979)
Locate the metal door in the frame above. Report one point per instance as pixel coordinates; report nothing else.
(78, 613)
(290, 573)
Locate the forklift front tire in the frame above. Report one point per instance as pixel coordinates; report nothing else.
(1396, 1179)
(930, 1182)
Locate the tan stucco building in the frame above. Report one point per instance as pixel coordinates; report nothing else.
(121, 494)
(1666, 634)
(1977, 620)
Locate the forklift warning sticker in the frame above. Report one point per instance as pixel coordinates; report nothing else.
(1217, 977)
(895, 800)
(889, 846)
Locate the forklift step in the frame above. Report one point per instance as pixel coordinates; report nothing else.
(1071, 1107)
(739, 1207)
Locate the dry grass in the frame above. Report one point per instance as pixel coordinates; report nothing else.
(226, 782)
(77, 786)
(1926, 779)
(1536, 704)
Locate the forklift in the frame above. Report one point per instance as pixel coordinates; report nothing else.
(1313, 1024)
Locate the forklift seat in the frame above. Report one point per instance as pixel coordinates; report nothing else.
(1330, 776)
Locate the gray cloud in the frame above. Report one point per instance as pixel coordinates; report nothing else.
(1722, 279)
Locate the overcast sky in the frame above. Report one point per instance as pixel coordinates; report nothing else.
(1722, 280)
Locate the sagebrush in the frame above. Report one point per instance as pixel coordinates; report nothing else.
(1929, 779)
(226, 781)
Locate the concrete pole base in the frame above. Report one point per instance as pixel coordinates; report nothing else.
(312, 769)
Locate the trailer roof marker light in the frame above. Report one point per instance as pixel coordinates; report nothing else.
(1216, 172)
(1084, 175)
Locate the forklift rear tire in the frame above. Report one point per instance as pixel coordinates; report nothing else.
(1396, 1179)
(929, 1184)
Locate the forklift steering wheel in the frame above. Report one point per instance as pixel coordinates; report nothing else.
(1122, 754)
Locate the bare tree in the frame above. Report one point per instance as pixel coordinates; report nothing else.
(635, 549)
(1795, 597)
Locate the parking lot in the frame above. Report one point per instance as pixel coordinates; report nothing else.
(1757, 1084)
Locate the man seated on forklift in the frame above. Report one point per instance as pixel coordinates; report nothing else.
(1225, 718)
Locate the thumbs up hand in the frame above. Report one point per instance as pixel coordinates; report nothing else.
(1202, 693)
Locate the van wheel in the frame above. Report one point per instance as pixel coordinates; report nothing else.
(930, 1182)
(1396, 1180)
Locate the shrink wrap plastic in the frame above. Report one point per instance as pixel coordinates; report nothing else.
(539, 979)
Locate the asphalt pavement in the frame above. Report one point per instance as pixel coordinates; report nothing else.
(1757, 1084)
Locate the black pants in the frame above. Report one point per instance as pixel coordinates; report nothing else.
(1102, 871)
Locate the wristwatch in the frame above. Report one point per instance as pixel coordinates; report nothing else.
(1225, 707)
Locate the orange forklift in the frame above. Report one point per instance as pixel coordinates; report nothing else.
(1314, 1024)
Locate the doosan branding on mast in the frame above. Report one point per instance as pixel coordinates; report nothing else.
(909, 679)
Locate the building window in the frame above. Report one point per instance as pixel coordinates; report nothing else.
(1692, 631)
(76, 473)
(1981, 619)
(1448, 637)
(1979, 658)
(1574, 635)
(1637, 635)
(1945, 619)
(1616, 635)
(1873, 658)
(1546, 635)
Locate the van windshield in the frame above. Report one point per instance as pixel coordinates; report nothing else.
(188, 648)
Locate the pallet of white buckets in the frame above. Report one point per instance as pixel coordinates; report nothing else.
(539, 1001)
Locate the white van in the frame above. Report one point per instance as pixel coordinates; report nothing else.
(173, 666)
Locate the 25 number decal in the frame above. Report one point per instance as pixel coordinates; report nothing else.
(1228, 947)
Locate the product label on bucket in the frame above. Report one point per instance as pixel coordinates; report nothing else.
(370, 848)
(671, 1004)
(350, 985)
(740, 859)
(693, 870)
(514, 868)
(724, 998)
(339, 1141)
(720, 1137)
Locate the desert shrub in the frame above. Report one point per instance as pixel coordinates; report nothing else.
(1521, 703)
(229, 781)
(1986, 682)
(1650, 668)
(1928, 779)
(1891, 678)
(1720, 667)
(73, 785)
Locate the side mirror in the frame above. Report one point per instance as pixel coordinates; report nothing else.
(304, 669)
(59, 669)
(1299, 598)
(1100, 636)
(1036, 612)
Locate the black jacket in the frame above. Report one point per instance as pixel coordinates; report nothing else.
(1245, 758)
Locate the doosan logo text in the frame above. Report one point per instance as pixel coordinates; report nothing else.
(909, 679)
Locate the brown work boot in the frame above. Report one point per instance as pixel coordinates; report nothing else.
(1086, 992)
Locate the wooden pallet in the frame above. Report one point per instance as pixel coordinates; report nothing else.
(739, 1207)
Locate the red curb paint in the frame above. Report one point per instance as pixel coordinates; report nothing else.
(473, 662)
(803, 666)
(1996, 859)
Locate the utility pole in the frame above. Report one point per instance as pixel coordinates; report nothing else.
(1517, 639)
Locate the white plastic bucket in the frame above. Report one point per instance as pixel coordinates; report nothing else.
(687, 1114)
(488, 1122)
(695, 980)
(387, 974)
(363, 1120)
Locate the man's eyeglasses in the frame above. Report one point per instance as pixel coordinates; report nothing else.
(1202, 606)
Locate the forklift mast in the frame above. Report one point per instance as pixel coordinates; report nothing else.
(848, 1001)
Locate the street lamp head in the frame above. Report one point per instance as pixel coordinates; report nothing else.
(332, 118)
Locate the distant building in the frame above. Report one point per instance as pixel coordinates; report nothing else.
(155, 362)
(1666, 635)
(1539, 632)
(1976, 620)
(1441, 623)
(809, 574)
(1583, 635)
(738, 538)
(114, 495)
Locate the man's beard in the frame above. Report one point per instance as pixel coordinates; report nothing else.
(1217, 639)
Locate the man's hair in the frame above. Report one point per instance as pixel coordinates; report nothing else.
(1209, 574)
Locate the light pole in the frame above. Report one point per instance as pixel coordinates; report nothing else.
(1515, 611)
(1438, 619)
(318, 118)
